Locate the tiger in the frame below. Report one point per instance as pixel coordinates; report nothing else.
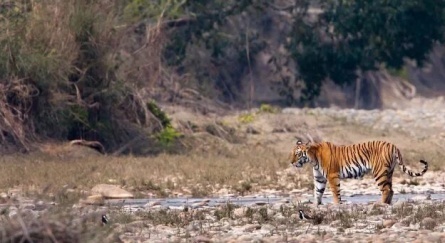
(333, 162)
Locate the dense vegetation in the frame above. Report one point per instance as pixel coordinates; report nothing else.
(89, 69)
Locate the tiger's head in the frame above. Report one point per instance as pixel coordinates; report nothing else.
(299, 155)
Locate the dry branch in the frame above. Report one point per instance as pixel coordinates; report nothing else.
(92, 144)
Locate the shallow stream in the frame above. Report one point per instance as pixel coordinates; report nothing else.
(258, 200)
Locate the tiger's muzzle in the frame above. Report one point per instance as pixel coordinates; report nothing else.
(301, 161)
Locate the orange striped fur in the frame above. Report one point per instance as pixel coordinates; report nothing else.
(332, 163)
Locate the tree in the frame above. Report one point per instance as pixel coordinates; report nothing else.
(363, 35)
(211, 42)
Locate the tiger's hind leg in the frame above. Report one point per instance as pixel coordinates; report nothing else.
(387, 194)
(384, 181)
(391, 192)
(389, 198)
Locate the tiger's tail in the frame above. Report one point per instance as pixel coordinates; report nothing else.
(409, 172)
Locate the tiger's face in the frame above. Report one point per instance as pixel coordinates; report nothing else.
(299, 155)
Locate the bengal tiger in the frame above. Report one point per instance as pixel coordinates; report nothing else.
(332, 163)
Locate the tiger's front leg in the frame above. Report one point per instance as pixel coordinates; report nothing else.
(319, 185)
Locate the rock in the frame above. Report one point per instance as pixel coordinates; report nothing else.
(335, 223)
(93, 200)
(268, 227)
(399, 204)
(434, 237)
(194, 226)
(29, 206)
(111, 191)
(12, 212)
(244, 238)
(252, 130)
(398, 225)
(279, 216)
(200, 204)
(378, 241)
(260, 203)
(277, 206)
(152, 204)
(428, 223)
(279, 130)
(210, 217)
(202, 239)
(388, 223)
(239, 212)
(251, 227)
(40, 205)
(4, 195)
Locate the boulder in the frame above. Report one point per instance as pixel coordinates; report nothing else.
(111, 191)
(93, 200)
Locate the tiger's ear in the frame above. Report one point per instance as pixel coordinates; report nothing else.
(299, 142)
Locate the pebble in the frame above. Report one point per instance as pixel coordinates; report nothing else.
(251, 227)
(239, 212)
(202, 239)
(429, 223)
(388, 223)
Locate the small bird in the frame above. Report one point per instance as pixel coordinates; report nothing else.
(315, 219)
(104, 219)
(304, 216)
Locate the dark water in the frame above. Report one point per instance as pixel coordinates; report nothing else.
(259, 200)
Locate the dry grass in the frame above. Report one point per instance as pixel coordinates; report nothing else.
(408, 214)
(212, 163)
(200, 173)
(64, 228)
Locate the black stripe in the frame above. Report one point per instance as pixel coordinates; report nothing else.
(380, 176)
(385, 183)
(381, 183)
(355, 172)
(321, 190)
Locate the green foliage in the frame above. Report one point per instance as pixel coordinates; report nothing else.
(159, 114)
(401, 73)
(266, 108)
(246, 118)
(352, 35)
(168, 135)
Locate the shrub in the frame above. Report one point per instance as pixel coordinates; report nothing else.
(62, 75)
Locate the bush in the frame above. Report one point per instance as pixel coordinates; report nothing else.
(61, 75)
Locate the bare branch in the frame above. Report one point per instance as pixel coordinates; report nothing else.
(92, 144)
